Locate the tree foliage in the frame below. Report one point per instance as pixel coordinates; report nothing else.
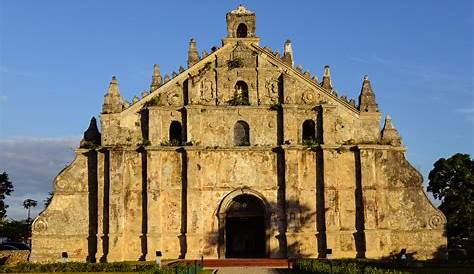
(27, 204)
(452, 181)
(16, 231)
(6, 187)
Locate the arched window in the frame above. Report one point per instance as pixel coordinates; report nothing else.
(241, 94)
(242, 30)
(309, 131)
(241, 134)
(175, 133)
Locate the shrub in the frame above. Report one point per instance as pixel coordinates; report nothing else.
(235, 63)
(145, 142)
(313, 266)
(180, 268)
(310, 143)
(154, 101)
(239, 100)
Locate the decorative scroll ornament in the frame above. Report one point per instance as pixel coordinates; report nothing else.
(172, 98)
(309, 97)
(436, 221)
(40, 225)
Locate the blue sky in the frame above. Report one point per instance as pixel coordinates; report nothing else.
(57, 57)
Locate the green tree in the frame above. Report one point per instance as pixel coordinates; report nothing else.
(6, 187)
(28, 204)
(16, 231)
(452, 181)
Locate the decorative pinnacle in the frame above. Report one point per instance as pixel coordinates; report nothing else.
(113, 86)
(156, 70)
(288, 53)
(156, 79)
(326, 83)
(366, 87)
(388, 122)
(113, 101)
(193, 55)
(327, 71)
(390, 135)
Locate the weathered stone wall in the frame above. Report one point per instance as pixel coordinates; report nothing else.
(138, 192)
(64, 225)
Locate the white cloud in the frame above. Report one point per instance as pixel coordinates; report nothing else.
(31, 164)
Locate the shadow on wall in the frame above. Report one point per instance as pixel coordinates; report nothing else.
(298, 219)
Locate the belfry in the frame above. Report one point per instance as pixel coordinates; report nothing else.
(241, 154)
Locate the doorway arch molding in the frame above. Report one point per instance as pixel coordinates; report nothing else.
(222, 213)
(228, 199)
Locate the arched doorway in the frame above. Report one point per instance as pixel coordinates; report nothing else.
(245, 228)
(244, 225)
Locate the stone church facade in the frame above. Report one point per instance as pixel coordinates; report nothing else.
(242, 154)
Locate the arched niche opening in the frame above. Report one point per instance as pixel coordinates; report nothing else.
(309, 131)
(241, 134)
(241, 94)
(242, 30)
(176, 131)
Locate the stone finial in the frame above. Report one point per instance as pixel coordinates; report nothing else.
(156, 79)
(204, 54)
(135, 99)
(352, 102)
(367, 102)
(174, 74)
(326, 83)
(193, 55)
(277, 54)
(241, 10)
(181, 69)
(390, 135)
(288, 54)
(113, 101)
(167, 78)
(91, 135)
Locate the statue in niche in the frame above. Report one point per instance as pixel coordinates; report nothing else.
(206, 90)
(271, 89)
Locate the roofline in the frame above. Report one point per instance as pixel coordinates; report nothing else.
(173, 80)
(301, 76)
(211, 57)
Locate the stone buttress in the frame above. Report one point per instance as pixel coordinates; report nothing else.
(167, 169)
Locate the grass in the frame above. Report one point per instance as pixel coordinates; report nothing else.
(116, 267)
(314, 266)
